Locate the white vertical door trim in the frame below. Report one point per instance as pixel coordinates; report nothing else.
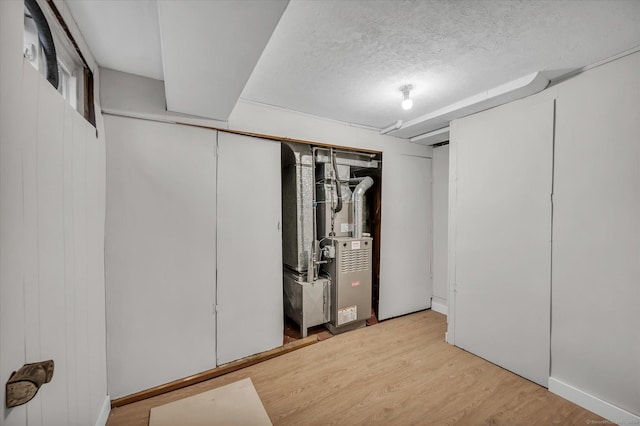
(405, 250)
(249, 290)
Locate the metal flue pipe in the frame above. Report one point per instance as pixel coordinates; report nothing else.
(358, 208)
(46, 39)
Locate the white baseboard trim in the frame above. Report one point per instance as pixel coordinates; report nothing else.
(592, 403)
(104, 412)
(439, 307)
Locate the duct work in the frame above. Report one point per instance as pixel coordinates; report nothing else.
(358, 200)
(297, 205)
(46, 39)
(326, 252)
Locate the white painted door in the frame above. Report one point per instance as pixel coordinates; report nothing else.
(160, 252)
(503, 235)
(405, 251)
(249, 290)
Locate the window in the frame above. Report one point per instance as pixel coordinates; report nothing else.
(49, 46)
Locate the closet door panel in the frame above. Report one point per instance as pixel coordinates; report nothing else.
(405, 251)
(160, 253)
(503, 235)
(249, 291)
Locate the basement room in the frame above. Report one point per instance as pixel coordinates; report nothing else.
(306, 212)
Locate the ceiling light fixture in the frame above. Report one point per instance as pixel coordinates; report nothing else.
(511, 91)
(407, 103)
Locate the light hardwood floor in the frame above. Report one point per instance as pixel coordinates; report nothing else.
(398, 372)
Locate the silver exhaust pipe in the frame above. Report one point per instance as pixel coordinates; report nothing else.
(358, 198)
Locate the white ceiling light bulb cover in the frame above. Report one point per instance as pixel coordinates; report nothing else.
(407, 102)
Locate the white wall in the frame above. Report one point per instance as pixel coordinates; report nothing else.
(126, 92)
(440, 182)
(595, 250)
(160, 252)
(595, 344)
(52, 193)
(137, 96)
(258, 118)
(132, 95)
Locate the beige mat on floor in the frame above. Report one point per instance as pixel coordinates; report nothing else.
(237, 403)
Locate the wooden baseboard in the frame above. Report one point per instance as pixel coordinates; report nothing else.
(215, 372)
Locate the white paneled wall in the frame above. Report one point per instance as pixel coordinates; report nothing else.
(12, 326)
(63, 187)
(52, 194)
(95, 201)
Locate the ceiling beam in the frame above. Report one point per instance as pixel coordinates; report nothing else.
(209, 50)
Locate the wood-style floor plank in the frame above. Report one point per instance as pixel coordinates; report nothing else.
(398, 372)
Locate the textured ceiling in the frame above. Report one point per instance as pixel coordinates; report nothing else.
(346, 59)
(122, 35)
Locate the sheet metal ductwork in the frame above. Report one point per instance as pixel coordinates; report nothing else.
(327, 255)
(297, 205)
(358, 200)
(46, 39)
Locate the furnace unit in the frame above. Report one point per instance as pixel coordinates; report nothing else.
(350, 274)
(327, 254)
